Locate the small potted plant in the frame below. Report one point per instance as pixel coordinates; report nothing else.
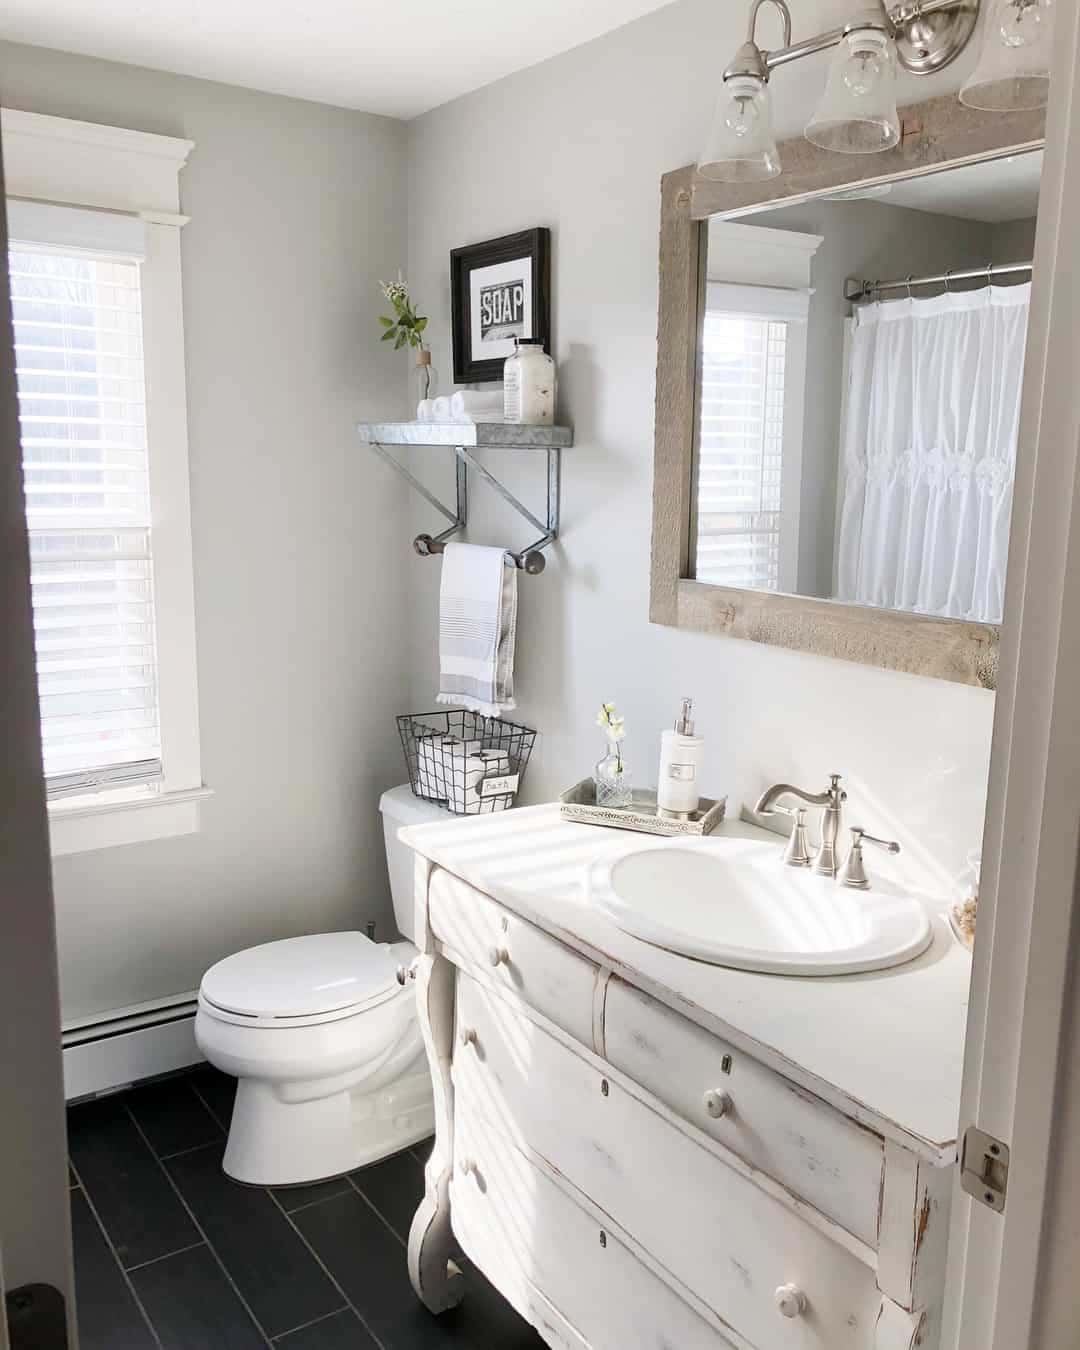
(612, 783)
(406, 329)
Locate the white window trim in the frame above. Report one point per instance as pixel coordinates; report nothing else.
(81, 164)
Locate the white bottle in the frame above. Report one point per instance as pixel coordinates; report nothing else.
(681, 753)
(529, 385)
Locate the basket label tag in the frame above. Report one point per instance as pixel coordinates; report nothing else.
(498, 787)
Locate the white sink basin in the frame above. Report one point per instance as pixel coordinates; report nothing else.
(733, 902)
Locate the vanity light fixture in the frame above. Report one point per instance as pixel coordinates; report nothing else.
(857, 113)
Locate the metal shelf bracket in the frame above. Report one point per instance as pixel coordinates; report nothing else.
(530, 559)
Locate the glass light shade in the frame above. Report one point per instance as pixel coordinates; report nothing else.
(857, 113)
(1013, 72)
(741, 147)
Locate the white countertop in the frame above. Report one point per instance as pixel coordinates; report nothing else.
(885, 1047)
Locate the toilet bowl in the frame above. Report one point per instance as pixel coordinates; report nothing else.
(323, 1039)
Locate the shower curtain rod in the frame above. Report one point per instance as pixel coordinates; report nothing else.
(856, 290)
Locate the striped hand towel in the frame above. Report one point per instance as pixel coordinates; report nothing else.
(477, 628)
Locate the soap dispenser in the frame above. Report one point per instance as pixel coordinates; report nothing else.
(680, 764)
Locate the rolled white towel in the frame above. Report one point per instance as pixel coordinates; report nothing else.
(425, 410)
(440, 411)
(477, 405)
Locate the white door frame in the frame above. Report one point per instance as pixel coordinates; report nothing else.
(1010, 1286)
(35, 1226)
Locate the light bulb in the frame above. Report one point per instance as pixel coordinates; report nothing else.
(868, 51)
(862, 73)
(1021, 22)
(742, 116)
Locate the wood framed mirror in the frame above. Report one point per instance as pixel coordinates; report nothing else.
(839, 362)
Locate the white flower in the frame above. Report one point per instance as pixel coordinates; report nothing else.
(610, 721)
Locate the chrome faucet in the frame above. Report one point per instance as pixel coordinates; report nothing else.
(824, 862)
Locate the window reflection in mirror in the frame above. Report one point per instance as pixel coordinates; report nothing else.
(863, 449)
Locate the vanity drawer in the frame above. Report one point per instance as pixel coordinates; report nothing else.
(799, 1140)
(531, 1239)
(719, 1234)
(479, 935)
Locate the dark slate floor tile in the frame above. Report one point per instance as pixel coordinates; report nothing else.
(140, 1211)
(369, 1263)
(217, 1090)
(274, 1271)
(193, 1306)
(422, 1151)
(109, 1317)
(171, 1116)
(343, 1331)
(486, 1319)
(295, 1197)
(395, 1186)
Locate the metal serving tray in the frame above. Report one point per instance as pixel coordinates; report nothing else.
(643, 814)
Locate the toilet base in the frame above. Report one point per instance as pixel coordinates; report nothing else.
(288, 1143)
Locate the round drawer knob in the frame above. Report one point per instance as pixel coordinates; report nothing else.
(790, 1300)
(469, 1036)
(499, 956)
(718, 1103)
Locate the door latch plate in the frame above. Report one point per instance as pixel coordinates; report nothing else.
(984, 1168)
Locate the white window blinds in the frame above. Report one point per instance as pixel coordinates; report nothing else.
(740, 450)
(82, 404)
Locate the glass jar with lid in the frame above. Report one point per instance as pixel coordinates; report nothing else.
(529, 385)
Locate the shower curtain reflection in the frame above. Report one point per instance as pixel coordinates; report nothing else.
(929, 452)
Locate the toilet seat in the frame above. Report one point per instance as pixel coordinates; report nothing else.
(302, 981)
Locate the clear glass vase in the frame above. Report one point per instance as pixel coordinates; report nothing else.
(612, 781)
(424, 376)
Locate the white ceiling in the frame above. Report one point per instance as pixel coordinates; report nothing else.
(993, 191)
(398, 57)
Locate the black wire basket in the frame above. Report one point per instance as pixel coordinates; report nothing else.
(469, 763)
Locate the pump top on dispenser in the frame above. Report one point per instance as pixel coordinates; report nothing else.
(681, 754)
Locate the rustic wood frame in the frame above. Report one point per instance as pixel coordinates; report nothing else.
(938, 132)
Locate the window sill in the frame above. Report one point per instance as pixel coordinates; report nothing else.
(129, 816)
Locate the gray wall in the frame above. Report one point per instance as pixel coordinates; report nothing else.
(296, 211)
(579, 144)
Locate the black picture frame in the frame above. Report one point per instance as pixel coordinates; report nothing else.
(533, 249)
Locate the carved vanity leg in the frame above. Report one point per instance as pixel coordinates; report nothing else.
(435, 1277)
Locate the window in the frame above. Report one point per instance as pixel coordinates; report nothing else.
(82, 408)
(748, 473)
(740, 451)
(98, 325)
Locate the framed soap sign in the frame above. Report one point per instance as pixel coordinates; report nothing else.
(499, 290)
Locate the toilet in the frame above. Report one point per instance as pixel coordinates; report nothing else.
(323, 1039)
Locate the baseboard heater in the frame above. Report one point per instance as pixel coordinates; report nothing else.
(113, 1049)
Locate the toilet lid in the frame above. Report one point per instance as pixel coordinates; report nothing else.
(303, 976)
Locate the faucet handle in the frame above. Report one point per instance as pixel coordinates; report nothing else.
(853, 872)
(835, 780)
(797, 852)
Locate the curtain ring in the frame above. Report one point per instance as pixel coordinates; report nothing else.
(908, 285)
(948, 279)
(990, 275)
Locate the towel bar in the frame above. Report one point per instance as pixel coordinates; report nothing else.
(530, 560)
(550, 439)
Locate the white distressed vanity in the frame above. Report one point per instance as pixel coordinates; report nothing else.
(642, 1150)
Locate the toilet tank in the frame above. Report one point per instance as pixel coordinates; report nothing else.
(400, 807)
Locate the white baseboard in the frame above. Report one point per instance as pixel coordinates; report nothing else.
(117, 1048)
